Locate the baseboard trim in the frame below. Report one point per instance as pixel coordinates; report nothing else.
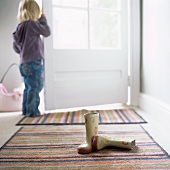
(153, 105)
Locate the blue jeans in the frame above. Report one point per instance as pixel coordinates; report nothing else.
(33, 74)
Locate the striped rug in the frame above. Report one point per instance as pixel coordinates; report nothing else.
(55, 147)
(118, 116)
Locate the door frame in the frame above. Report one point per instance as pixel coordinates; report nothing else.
(134, 54)
(135, 51)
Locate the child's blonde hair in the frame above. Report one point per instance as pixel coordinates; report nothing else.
(28, 10)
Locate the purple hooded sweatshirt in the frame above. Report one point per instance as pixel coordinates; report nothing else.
(27, 40)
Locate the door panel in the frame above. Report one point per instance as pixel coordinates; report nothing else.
(91, 75)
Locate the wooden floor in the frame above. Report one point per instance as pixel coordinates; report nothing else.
(158, 126)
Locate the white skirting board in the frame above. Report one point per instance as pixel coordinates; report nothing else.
(154, 107)
(157, 114)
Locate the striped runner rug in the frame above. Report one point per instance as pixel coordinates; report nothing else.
(55, 147)
(118, 116)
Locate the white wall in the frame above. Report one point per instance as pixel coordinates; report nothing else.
(8, 13)
(155, 75)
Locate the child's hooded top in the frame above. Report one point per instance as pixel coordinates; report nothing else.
(27, 40)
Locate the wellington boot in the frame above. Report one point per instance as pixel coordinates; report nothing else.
(100, 142)
(91, 125)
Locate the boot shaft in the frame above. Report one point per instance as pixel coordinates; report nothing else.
(91, 125)
(100, 142)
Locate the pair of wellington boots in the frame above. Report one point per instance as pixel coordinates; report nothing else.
(95, 142)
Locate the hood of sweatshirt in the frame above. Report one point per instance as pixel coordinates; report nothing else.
(20, 33)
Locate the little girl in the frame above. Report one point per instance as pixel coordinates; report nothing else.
(29, 44)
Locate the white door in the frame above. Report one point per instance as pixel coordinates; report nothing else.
(87, 53)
